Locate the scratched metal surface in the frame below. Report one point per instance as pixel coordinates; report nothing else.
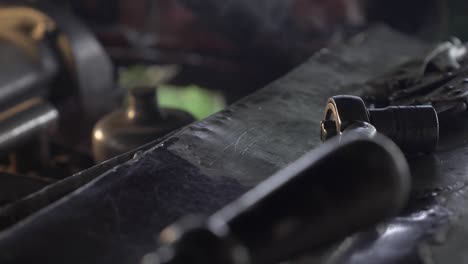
(434, 227)
(114, 218)
(276, 125)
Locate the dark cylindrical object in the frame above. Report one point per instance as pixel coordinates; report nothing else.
(328, 194)
(142, 106)
(413, 128)
(24, 122)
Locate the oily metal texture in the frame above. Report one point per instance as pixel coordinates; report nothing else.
(268, 129)
(201, 168)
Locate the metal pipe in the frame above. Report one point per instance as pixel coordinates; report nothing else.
(25, 121)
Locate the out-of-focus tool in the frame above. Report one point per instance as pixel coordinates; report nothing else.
(323, 197)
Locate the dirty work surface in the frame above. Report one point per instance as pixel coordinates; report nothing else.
(114, 219)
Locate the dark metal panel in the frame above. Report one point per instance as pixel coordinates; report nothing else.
(18, 210)
(268, 129)
(136, 200)
(433, 229)
(114, 218)
(14, 187)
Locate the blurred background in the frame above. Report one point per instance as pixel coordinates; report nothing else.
(238, 46)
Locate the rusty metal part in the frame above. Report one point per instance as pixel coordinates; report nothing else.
(413, 128)
(309, 204)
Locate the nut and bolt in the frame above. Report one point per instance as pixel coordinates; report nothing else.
(415, 129)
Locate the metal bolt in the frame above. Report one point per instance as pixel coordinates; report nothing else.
(413, 128)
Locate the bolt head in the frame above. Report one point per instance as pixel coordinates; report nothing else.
(328, 129)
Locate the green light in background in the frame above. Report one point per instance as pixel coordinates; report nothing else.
(193, 99)
(196, 100)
